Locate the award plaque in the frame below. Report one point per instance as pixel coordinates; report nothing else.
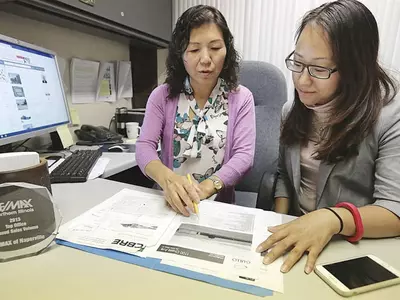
(29, 220)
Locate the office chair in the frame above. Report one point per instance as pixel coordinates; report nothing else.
(268, 86)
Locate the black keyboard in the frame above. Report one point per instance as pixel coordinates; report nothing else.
(76, 167)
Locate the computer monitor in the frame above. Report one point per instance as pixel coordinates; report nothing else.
(32, 99)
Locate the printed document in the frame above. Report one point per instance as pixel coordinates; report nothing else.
(84, 75)
(219, 241)
(129, 222)
(124, 80)
(106, 83)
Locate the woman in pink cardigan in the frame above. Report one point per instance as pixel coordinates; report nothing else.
(203, 118)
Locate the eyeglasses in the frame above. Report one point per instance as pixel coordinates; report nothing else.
(314, 71)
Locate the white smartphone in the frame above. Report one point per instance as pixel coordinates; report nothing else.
(358, 275)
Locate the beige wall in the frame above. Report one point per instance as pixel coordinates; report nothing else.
(67, 44)
(161, 57)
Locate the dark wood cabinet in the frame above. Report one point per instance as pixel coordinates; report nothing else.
(152, 17)
(147, 21)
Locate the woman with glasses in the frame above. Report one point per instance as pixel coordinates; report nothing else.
(339, 162)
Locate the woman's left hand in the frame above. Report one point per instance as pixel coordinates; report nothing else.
(309, 233)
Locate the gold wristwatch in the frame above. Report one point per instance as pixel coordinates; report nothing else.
(218, 185)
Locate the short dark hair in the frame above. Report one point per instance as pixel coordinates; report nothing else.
(192, 18)
(364, 87)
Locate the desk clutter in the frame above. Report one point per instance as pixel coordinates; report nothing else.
(24, 167)
(29, 219)
(124, 147)
(76, 167)
(216, 246)
(97, 135)
(93, 81)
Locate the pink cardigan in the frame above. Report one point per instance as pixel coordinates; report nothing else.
(159, 123)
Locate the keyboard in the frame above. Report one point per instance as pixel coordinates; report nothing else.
(76, 167)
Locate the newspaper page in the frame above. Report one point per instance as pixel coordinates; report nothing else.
(129, 222)
(106, 91)
(84, 75)
(221, 241)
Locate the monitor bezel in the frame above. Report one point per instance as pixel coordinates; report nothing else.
(38, 132)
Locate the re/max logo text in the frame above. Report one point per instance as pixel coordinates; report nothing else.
(12, 205)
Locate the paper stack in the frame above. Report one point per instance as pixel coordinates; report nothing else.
(93, 81)
(124, 70)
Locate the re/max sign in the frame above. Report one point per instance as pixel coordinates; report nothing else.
(138, 246)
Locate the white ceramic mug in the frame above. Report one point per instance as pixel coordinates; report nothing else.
(132, 130)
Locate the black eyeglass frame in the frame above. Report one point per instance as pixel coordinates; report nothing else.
(288, 59)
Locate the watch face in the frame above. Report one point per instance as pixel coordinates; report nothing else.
(217, 184)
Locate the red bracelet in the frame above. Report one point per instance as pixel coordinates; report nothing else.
(357, 221)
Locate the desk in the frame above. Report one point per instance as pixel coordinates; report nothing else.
(65, 273)
(118, 162)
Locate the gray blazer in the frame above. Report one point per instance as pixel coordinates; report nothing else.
(371, 177)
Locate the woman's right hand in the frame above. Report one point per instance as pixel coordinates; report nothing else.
(179, 192)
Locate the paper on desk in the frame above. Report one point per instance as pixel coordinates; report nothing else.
(222, 242)
(84, 77)
(129, 222)
(124, 81)
(50, 162)
(106, 83)
(99, 168)
(65, 136)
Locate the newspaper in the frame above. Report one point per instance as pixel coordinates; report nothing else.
(129, 222)
(219, 241)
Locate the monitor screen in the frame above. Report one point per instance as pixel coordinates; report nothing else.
(32, 100)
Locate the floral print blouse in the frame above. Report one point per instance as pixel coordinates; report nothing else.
(200, 134)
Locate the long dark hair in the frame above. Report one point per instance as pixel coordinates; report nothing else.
(192, 18)
(364, 87)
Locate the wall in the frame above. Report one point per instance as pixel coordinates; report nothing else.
(161, 69)
(67, 44)
(264, 30)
